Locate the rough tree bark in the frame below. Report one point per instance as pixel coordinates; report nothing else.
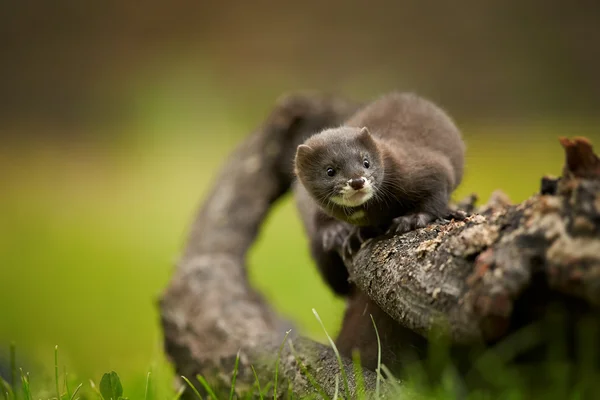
(463, 276)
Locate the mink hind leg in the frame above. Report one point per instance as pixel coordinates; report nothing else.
(400, 346)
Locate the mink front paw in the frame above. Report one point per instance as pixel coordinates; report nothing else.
(358, 235)
(353, 242)
(407, 223)
(345, 239)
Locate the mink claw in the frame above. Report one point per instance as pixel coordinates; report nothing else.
(357, 236)
(351, 244)
(411, 222)
(457, 215)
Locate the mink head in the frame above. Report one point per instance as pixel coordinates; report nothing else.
(340, 166)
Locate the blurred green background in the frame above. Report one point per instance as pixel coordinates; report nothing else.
(116, 116)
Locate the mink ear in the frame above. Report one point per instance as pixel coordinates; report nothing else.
(302, 152)
(365, 137)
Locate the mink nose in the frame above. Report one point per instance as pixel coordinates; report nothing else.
(357, 183)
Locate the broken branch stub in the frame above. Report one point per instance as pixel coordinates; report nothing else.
(581, 161)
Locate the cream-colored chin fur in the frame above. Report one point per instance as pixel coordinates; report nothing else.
(357, 215)
(352, 198)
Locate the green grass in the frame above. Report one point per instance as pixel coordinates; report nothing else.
(337, 354)
(378, 370)
(90, 232)
(501, 379)
(276, 379)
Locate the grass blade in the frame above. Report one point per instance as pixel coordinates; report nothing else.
(95, 389)
(25, 382)
(337, 354)
(6, 389)
(76, 391)
(358, 375)
(337, 387)
(179, 392)
(378, 370)
(206, 387)
(267, 388)
(147, 385)
(277, 365)
(192, 386)
(257, 382)
(310, 378)
(392, 380)
(56, 372)
(67, 389)
(234, 377)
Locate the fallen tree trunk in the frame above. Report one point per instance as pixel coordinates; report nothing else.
(463, 277)
(466, 276)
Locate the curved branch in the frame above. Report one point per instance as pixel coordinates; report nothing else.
(209, 312)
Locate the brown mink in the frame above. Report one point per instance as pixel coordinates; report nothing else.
(392, 165)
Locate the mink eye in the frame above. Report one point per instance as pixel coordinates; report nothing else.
(330, 171)
(366, 163)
